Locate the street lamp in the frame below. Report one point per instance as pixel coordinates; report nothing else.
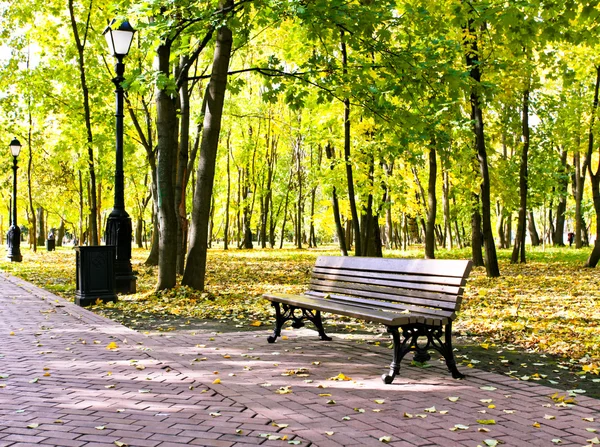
(119, 36)
(14, 232)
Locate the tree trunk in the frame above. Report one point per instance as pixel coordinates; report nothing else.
(32, 236)
(446, 205)
(181, 175)
(80, 45)
(533, 233)
(476, 235)
(166, 126)
(594, 176)
(347, 142)
(61, 233)
(247, 241)
(41, 235)
(491, 259)
(195, 270)
(330, 153)
(300, 202)
(153, 255)
(228, 200)
(431, 204)
(559, 227)
(518, 254)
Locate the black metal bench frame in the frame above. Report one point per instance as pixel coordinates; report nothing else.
(416, 299)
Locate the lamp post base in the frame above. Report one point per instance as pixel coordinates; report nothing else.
(14, 244)
(118, 233)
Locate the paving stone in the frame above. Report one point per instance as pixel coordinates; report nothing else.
(85, 386)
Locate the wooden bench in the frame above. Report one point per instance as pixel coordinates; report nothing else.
(419, 296)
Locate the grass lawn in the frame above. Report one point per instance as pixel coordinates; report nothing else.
(538, 321)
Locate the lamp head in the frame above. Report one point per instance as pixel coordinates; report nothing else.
(119, 35)
(15, 147)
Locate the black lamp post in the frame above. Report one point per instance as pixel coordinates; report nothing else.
(14, 232)
(119, 36)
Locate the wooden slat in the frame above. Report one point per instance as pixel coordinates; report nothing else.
(396, 298)
(392, 291)
(423, 280)
(399, 281)
(435, 267)
(392, 307)
(325, 305)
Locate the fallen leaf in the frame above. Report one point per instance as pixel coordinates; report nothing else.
(112, 345)
(216, 381)
(34, 425)
(486, 421)
(453, 399)
(385, 439)
(340, 377)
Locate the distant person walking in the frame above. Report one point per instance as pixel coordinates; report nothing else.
(570, 238)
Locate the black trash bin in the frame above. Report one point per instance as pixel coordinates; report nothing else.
(50, 244)
(95, 274)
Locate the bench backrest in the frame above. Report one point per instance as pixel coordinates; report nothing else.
(428, 286)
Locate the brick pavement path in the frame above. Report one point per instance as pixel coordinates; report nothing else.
(159, 390)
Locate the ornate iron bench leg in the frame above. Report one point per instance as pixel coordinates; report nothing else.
(449, 354)
(279, 320)
(395, 365)
(318, 322)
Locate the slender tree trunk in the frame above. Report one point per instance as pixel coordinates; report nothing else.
(476, 235)
(61, 233)
(29, 169)
(80, 46)
(166, 148)
(329, 151)
(559, 228)
(518, 254)
(446, 205)
(431, 204)
(228, 200)
(349, 175)
(181, 169)
(300, 203)
(491, 259)
(533, 233)
(80, 242)
(196, 267)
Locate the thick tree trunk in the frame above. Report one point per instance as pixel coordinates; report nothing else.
(195, 270)
(431, 204)
(153, 255)
(166, 148)
(594, 176)
(518, 254)
(491, 259)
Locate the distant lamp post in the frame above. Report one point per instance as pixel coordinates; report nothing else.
(14, 232)
(119, 36)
